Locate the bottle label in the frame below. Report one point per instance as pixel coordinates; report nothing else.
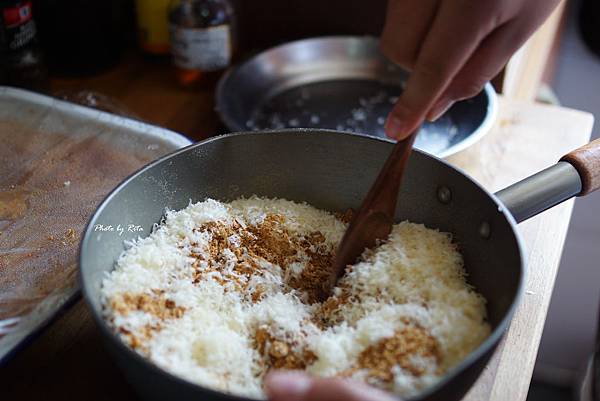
(19, 25)
(206, 49)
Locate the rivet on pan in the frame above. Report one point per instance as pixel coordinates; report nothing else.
(485, 231)
(444, 195)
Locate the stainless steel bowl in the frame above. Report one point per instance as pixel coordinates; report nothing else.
(341, 83)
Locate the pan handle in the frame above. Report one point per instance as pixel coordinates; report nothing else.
(576, 174)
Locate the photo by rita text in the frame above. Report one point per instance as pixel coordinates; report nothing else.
(119, 228)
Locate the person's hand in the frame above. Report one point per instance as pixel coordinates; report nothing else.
(298, 386)
(452, 48)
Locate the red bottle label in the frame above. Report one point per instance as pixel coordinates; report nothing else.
(18, 15)
(18, 25)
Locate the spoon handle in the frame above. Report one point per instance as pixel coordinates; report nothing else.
(383, 195)
(373, 220)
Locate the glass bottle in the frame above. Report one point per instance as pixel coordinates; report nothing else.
(202, 36)
(153, 26)
(21, 59)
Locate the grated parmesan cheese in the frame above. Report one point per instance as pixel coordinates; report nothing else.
(220, 293)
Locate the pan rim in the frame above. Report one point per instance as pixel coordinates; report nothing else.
(487, 345)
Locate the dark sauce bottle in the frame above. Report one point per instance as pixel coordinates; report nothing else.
(21, 59)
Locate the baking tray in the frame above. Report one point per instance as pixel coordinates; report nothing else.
(57, 162)
(341, 83)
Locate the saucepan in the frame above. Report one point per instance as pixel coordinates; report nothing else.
(333, 171)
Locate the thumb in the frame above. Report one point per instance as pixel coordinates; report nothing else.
(403, 119)
(298, 386)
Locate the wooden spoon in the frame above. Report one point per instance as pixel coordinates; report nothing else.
(373, 221)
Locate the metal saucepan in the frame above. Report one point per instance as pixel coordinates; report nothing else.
(333, 171)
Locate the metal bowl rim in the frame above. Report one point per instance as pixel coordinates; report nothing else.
(220, 96)
(484, 127)
(222, 109)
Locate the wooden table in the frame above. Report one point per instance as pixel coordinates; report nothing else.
(68, 360)
(147, 89)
